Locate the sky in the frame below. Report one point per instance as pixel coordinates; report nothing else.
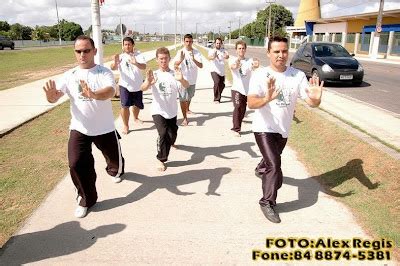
(152, 16)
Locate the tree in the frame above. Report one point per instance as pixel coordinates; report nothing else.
(280, 18)
(4, 26)
(118, 29)
(41, 33)
(16, 31)
(26, 33)
(70, 30)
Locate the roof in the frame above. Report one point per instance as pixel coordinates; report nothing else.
(364, 16)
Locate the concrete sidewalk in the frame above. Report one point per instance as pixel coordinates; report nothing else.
(202, 210)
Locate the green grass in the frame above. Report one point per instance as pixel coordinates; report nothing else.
(366, 178)
(21, 66)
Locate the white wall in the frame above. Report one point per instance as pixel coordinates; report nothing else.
(330, 27)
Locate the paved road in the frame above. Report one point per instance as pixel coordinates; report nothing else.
(380, 87)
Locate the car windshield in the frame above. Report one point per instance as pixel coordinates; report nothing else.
(330, 50)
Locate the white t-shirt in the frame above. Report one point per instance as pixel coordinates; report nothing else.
(188, 67)
(241, 76)
(218, 64)
(89, 116)
(276, 116)
(165, 94)
(130, 75)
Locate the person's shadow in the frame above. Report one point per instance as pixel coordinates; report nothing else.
(200, 153)
(171, 183)
(63, 239)
(308, 189)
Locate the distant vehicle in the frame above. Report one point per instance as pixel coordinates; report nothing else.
(6, 42)
(329, 61)
(210, 44)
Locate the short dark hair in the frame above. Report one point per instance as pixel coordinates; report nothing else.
(242, 43)
(128, 39)
(162, 50)
(276, 39)
(189, 36)
(84, 37)
(218, 39)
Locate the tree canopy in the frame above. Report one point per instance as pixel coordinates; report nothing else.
(280, 18)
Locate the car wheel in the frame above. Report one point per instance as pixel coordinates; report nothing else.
(12, 47)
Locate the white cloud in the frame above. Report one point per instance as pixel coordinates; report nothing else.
(149, 14)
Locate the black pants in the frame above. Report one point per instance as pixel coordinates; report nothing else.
(219, 85)
(239, 109)
(271, 146)
(167, 133)
(81, 162)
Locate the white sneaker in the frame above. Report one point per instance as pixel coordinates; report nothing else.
(80, 212)
(116, 179)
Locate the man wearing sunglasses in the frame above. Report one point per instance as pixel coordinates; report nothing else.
(130, 63)
(90, 88)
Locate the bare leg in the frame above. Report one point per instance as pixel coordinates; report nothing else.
(188, 109)
(135, 112)
(125, 120)
(184, 108)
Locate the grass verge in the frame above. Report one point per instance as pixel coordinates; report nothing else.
(351, 170)
(22, 66)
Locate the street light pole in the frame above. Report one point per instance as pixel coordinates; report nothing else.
(378, 29)
(268, 30)
(176, 20)
(58, 23)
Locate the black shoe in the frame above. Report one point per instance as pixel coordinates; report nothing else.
(270, 213)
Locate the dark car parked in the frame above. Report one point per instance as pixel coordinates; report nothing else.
(329, 61)
(6, 42)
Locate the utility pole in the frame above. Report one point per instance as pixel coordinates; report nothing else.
(239, 27)
(268, 29)
(121, 32)
(196, 32)
(378, 29)
(96, 28)
(176, 20)
(58, 23)
(230, 28)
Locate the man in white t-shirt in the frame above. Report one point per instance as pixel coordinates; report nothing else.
(165, 85)
(90, 88)
(217, 58)
(273, 93)
(188, 60)
(129, 64)
(241, 68)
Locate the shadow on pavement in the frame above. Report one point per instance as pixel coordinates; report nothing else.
(308, 189)
(63, 239)
(171, 182)
(200, 153)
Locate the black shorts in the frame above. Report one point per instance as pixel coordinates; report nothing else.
(129, 98)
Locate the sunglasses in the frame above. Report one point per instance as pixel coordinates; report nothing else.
(86, 51)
